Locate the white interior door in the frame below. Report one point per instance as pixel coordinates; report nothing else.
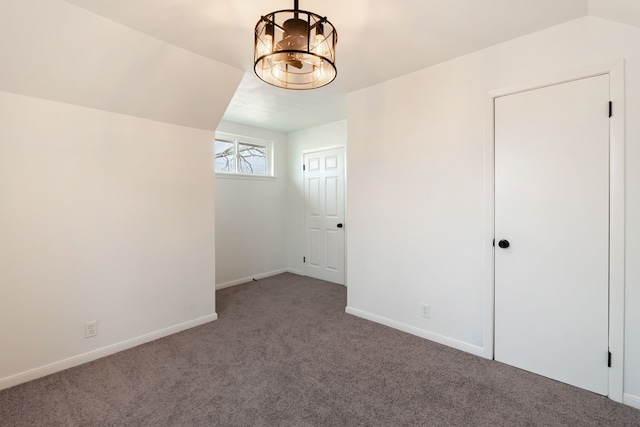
(324, 214)
(552, 206)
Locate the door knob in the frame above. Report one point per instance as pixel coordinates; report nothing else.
(504, 244)
(340, 225)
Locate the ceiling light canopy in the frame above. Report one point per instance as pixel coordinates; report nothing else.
(295, 49)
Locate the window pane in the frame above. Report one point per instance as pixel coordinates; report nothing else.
(225, 156)
(252, 158)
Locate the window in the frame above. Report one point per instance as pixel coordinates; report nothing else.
(242, 155)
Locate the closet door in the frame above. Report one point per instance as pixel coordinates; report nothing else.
(552, 231)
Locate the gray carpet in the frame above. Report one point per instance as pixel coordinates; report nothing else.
(284, 353)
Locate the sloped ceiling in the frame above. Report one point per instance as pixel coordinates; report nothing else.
(378, 40)
(623, 11)
(53, 50)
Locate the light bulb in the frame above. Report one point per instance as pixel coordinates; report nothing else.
(266, 47)
(318, 73)
(320, 45)
(277, 72)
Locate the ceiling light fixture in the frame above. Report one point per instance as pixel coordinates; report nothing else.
(295, 49)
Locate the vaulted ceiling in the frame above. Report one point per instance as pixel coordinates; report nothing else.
(378, 40)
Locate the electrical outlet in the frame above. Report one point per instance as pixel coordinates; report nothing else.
(91, 329)
(426, 311)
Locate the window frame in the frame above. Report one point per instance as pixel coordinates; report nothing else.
(240, 139)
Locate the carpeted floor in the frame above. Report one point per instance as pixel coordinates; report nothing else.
(284, 353)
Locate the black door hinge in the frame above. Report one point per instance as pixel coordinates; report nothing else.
(610, 109)
(304, 167)
(304, 259)
(609, 360)
(494, 243)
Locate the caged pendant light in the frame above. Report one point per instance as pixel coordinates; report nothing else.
(295, 49)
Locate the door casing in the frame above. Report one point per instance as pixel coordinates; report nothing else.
(615, 70)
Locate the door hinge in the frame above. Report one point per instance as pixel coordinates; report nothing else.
(304, 167)
(494, 243)
(609, 360)
(610, 109)
(304, 259)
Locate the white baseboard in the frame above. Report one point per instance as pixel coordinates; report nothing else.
(257, 277)
(61, 365)
(440, 339)
(631, 400)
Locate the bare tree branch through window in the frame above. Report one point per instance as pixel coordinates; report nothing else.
(235, 156)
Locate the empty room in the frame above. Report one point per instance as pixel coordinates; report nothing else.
(310, 213)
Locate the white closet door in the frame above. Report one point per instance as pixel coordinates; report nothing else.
(552, 206)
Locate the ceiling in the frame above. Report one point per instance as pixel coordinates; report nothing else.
(378, 40)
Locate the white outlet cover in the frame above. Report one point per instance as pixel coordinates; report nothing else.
(91, 329)
(426, 311)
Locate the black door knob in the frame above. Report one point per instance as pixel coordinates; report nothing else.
(340, 225)
(504, 244)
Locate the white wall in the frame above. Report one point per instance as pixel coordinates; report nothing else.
(415, 189)
(251, 215)
(329, 135)
(260, 222)
(104, 215)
